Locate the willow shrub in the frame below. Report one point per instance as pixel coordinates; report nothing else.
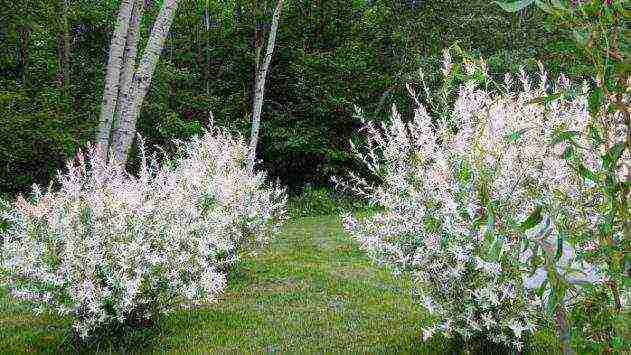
(109, 247)
(496, 209)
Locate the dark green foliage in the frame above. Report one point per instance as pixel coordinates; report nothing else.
(5, 206)
(36, 138)
(364, 57)
(597, 327)
(330, 56)
(40, 124)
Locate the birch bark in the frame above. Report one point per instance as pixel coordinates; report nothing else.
(112, 77)
(129, 59)
(124, 132)
(259, 89)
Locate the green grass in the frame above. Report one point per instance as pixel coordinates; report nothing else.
(312, 290)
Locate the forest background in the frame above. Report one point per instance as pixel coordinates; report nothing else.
(330, 55)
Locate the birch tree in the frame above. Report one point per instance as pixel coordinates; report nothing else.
(129, 57)
(260, 76)
(125, 131)
(112, 76)
(127, 82)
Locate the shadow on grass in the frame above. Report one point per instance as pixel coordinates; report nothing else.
(116, 338)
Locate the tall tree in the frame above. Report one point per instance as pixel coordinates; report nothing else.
(128, 64)
(260, 75)
(24, 32)
(126, 82)
(125, 130)
(112, 76)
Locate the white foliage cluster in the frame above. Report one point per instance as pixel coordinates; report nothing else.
(216, 168)
(110, 247)
(457, 195)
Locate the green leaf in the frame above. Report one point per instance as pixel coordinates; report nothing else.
(605, 228)
(533, 219)
(514, 6)
(581, 36)
(561, 290)
(552, 301)
(516, 135)
(584, 172)
(543, 6)
(562, 136)
(542, 288)
(559, 252)
(594, 100)
(568, 153)
(595, 135)
(546, 99)
(496, 248)
(612, 155)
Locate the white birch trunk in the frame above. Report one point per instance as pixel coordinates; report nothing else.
(112, 77)
(124, 133)
(129, 59)
(259, 89)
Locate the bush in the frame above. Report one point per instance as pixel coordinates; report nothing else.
(112, 248)
(597, 327)
(463, 197)
(215, 166)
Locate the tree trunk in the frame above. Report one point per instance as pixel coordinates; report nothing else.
(207, 52)
(24, 32)
(206, 16)
(67, 45)
(60, 78)
(259, 83)
(258, 39)
(124, 133)
(129, 59)
(112, 77)
(64, 49)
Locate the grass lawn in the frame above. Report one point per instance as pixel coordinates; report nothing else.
(312, 290)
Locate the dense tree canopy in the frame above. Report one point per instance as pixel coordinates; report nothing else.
(329, 56)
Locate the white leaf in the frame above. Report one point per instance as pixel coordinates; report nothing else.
(514, 6)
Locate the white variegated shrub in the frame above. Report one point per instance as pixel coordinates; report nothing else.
(486, 204)
(215, 166)
(108, 247)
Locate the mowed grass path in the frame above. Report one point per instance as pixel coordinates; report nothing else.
(311, 290)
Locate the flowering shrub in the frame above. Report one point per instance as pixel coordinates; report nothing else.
(110, 247)
(491, 207)
(214, 166)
